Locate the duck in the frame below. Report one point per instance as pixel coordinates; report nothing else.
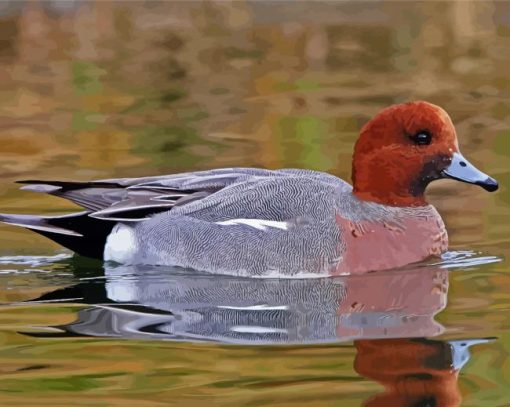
(258, 222)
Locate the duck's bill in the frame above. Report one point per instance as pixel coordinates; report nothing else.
(462, 170)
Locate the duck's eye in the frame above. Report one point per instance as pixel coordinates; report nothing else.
(422, 138)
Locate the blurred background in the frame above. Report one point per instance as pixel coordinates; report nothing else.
(126, 89)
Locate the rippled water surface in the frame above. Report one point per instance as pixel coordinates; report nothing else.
(98, 90)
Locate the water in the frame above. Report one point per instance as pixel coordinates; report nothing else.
(104, 90)
(72, 327)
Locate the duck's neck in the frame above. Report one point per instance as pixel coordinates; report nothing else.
(391, 199)
(394, 188)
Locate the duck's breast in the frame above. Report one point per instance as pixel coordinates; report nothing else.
(389, 239)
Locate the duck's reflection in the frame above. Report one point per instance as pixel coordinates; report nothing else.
(149, 303)
(387, 315)
(414, 372)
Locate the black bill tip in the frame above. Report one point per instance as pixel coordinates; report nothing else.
(490, 184)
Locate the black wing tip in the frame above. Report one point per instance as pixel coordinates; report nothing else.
(31, 181)
(47, 181)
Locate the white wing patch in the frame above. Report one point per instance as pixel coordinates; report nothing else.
(259, 224)
(257, 329)
(120, 245)
(255, 307)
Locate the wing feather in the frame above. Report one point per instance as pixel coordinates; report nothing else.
(136, 199)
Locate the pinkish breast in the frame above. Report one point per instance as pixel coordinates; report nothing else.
(386, 244)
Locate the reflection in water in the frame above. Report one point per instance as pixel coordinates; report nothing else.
(414, 372)
(149, 304)
(387, 314)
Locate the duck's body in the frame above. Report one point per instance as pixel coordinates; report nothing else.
(257, 222)
(243, 221)
(279, 222)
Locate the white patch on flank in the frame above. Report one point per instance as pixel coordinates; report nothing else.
(120, 244)
(256, 307)
(256, 329)
(259, 224)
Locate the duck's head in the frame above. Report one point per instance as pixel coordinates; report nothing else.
(405, 147)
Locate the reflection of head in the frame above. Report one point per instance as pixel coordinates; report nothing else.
(415, 372)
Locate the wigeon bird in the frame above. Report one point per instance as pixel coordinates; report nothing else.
(258, 222)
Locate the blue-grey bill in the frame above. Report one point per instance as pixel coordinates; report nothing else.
(462, 170)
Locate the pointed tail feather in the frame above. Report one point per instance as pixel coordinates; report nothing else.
(33, 184)
(93, 196)
(77, 231)
(37, 223)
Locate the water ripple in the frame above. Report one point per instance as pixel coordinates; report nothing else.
(34, 261)
(464, 259)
